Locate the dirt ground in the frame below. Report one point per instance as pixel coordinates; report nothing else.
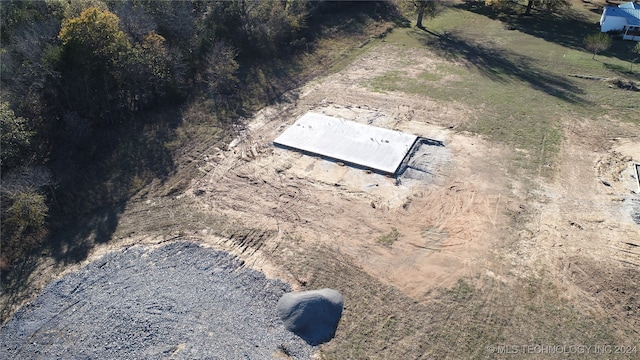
(446, 217)
(444, 220)
(449, 219)
(468, 216)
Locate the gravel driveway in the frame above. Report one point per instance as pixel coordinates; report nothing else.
(179, 301)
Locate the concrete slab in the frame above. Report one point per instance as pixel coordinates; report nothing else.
(347, 141)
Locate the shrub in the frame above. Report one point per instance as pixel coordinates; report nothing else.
(597, 43)
(24, 213)
(389, 238)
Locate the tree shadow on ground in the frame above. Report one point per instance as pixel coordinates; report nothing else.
(567, 27)
(95, 171)
(350, 17)
(500, 65)
(98, 175)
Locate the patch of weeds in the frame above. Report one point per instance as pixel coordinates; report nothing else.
(389, 238)
(462, 291)
(389, 81)
(430, 76)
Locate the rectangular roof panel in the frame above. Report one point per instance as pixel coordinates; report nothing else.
(348, 141)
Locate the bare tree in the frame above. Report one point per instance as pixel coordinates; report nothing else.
(133, 20)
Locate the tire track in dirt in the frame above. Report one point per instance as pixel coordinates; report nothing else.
(289, 194)
(580, 226)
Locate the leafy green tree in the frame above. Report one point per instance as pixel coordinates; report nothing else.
(23, 222)
(422, 8)
(24, 212)
(104, 74)
(92, 63)
(265, 28)
(26, 209)
(94, 37)
(597, 43)
(147, 72)
(16, 138)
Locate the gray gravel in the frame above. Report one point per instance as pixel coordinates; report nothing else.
(426, 160)
(179, 301)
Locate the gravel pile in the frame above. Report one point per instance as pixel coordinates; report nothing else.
(425, 161)
(179, 301)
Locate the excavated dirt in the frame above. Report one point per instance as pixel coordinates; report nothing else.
(444, 207)
(458, 212)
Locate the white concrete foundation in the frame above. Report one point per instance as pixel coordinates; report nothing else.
(350, 142)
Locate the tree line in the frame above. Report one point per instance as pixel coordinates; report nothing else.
(72, 68)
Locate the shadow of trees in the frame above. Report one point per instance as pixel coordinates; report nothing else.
(567, 28)
(100, 173)
(501, 65)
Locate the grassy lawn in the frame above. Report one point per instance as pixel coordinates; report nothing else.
(516, 80)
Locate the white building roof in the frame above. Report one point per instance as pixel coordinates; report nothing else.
(348, 141)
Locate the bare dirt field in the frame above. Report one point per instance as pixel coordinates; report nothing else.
(457, 254)
(530, 259)
(572, 236)
(449, 217)
(446, 216)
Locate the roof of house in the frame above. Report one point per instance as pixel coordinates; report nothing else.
(630, 5)
(632, 15)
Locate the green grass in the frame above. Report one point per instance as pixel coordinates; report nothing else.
(516, 83)
(390, 238)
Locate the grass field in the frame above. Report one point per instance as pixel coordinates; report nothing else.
(518, 83)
